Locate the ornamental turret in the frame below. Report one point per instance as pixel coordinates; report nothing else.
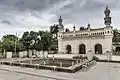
(107, 18)
(88, 27)
(60, 25)
(60, 21)
(74, 28)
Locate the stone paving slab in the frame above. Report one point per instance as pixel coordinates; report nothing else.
(101, 71)
(35, 72)
(7, 75)
(103, 57)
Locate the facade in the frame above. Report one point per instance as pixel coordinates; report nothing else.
(81, 41)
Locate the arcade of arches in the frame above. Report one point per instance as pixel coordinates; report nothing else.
(82, 49)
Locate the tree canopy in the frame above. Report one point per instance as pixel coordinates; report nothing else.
(8, 42)
(54, 30)
(116, 35)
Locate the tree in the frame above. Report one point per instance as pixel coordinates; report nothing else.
(54, 30)
(25, 40)
(8, 42)
(33, 39)
(29, 40)
(116, 35)
(45, 41)
(36, 40)
(1, 47)
(39, 44)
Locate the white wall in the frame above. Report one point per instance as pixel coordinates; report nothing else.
(89, 43)
(8, 54)
(105, 40)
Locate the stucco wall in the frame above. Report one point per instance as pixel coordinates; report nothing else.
(105, 40)
(89, 43)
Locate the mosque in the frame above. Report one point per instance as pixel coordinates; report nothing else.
(81, 41)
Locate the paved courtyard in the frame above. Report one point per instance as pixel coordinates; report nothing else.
(101, 71)
(9, 75)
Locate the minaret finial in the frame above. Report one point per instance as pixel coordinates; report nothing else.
(74, 28)
(60, 25)
(107, 12)
(107, 17)
(60, 17)
(60, 20)
(107, 7)
(88, 26)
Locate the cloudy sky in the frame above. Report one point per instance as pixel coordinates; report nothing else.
(25, 15)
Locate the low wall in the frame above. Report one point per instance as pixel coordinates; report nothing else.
(68, 56)
(71, 69)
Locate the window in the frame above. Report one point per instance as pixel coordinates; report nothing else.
(99, 33)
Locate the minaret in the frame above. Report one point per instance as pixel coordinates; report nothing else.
(60, 25)
(88, 27)
(60, 35)
(74, 28)
(60, 21)
(74, 31)
(107, 18)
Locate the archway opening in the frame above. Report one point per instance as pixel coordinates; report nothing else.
(68, 48)
(117, 49)
(82, 49)
(98, 49)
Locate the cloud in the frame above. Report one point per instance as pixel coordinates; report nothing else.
(26, 15)
(6, 22)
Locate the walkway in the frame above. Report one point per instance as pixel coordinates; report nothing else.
(101, 71)
(103, 57)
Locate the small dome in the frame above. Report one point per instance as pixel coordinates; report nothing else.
(73, 26)
(88, 25)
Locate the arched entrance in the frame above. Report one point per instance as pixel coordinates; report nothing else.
(82, 49)
(98, 49)
(68, 48)
(117, 49)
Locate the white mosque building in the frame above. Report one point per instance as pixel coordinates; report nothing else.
(81, 41)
